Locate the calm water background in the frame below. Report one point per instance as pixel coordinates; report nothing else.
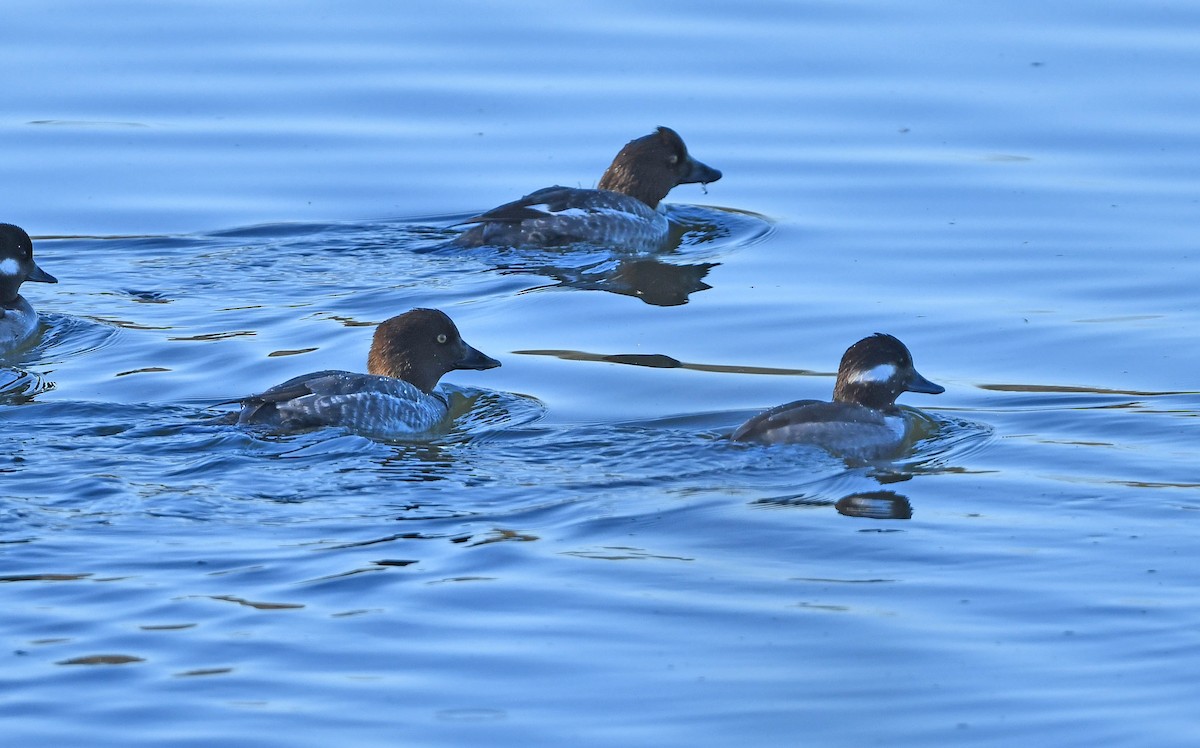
(231, 193)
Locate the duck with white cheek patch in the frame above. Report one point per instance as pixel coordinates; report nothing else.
(623, 212)
(18, 320)
(409, 354)
(863, 421)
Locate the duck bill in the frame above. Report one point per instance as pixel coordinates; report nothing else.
(699, 172)
(41, 276)
(918, 383)
(475, 359)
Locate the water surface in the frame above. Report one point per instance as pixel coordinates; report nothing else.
(234, 194)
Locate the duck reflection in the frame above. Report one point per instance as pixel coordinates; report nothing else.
(653, 281)
(874, 505)
(865, 504)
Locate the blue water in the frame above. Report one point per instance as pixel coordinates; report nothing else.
(232, 194)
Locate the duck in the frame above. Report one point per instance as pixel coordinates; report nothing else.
(623, 211)
(396, 397)
(18, 320)
(863, 420)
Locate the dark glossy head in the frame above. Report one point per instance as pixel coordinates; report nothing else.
(420, 346)
(16, 262)
(876, 370)
(647, 168)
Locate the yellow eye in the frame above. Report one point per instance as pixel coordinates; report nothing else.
(673, 159)
(441, 338)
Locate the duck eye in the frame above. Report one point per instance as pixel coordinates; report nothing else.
(441, 338)
(673, 159)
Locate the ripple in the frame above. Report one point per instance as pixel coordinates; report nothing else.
(63, 338)
(946, 445)
(19, 386)
(67, 337)
(478, 414)
(705, 227)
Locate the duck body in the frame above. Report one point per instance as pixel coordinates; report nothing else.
(362, 403)
(843, 429)
(561, 216)
(863, 420)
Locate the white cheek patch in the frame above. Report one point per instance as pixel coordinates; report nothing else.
(876, 375)
(9, 266)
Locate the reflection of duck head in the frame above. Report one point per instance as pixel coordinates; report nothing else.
(875, 505)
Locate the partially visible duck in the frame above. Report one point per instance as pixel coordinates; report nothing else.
(409, 354)
(863, 420)
(18, 320)
(623, 211)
